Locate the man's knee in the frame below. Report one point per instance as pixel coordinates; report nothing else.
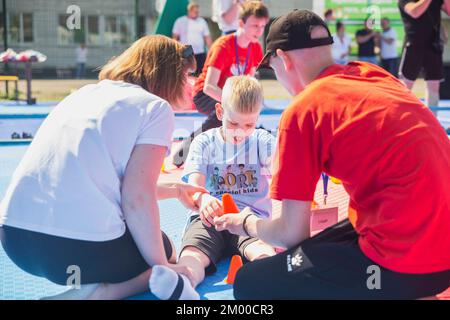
(245, 283)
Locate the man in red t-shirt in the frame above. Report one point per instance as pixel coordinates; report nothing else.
(231, 55)
(363, 126)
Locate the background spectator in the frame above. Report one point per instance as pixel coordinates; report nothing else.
(81, 54)
(193, 29)
(388, 47)
(367, 39)
(342, 44)
(328, 16)
(423, 48)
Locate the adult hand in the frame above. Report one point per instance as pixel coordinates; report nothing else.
(210, 208)
(186, 193)
(233, 222)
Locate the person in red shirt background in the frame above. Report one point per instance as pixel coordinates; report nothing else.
(360, 124)
(231, 55)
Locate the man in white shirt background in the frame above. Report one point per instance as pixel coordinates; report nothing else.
(388, 44)
(193, 29)
(341, 45)
(81, 54)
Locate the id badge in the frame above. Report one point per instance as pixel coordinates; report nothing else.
(323, 216)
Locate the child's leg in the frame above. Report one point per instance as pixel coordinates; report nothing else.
(197, 261)
(202, 247)
(257, 249)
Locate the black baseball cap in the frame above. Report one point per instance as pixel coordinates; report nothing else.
(293, 31)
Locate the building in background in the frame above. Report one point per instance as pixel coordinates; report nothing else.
(107, 28)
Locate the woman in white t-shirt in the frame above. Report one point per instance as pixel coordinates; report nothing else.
(341, 45)
(81, 208)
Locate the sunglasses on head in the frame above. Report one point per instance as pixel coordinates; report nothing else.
(187, 51)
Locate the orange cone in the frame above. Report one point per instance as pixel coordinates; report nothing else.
(235, 265)
(228, 204)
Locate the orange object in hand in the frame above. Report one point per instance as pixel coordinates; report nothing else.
(235, 265)
(228, 204)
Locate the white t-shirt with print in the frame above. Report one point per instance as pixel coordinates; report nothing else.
(389, 51)
(192, 31)
(241, 170)
(68, 183)
(219, 8)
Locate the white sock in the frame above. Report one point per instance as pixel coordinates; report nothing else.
(164, 281)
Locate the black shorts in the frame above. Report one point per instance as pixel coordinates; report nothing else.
(204, 103)
(50, 256)
(416, 58)
(331, 265)
(200, 58)
(215, 244)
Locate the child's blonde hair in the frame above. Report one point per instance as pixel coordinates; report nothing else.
(243, 94)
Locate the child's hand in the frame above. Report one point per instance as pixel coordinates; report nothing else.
(210, 207)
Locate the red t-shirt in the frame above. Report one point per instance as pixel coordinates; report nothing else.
(222, 55)
(361, 125)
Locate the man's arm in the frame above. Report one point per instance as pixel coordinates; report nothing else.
(387, 40)
(208, 41)
(229, 15)
(286, 229)
(417, 9)
(176, 30)
(363, 39)
(210, 87)
(446, 7)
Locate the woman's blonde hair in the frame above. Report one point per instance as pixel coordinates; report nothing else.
(156, 63)
(243, 94)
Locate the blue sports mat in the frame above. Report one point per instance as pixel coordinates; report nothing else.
(16, 284)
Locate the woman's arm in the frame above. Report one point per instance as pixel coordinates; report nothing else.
(210, 87)
(139, 201)
(186, 193)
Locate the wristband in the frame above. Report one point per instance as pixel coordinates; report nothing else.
(244, 225)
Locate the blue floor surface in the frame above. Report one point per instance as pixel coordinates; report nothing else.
(16, 284)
